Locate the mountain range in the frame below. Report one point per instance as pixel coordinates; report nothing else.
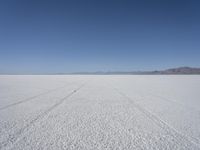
(171, 71)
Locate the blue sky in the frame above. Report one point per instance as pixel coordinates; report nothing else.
(56, 36)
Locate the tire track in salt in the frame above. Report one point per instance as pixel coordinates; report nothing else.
(189, 108)
(165, 126)
(169, 100)
(30, 98)
(19, 134)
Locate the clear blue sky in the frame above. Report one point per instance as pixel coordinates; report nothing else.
(45, 36)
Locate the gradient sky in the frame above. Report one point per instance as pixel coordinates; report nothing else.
(54, 36)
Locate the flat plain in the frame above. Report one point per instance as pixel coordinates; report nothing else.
(89, 112)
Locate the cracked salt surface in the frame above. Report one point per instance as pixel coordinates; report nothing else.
(99, 112)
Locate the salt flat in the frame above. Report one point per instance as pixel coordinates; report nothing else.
(100, 112)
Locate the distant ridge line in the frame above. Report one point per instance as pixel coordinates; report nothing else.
(171, 71)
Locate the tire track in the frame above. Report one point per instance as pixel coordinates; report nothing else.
(165, 126)
(189, 108)
(30, 98)
(169, 100)
(19, 134)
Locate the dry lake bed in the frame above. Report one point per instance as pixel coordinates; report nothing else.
(91, 112)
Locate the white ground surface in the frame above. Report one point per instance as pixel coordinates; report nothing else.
(100, 112)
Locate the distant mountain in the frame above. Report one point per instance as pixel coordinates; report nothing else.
(179, 70)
